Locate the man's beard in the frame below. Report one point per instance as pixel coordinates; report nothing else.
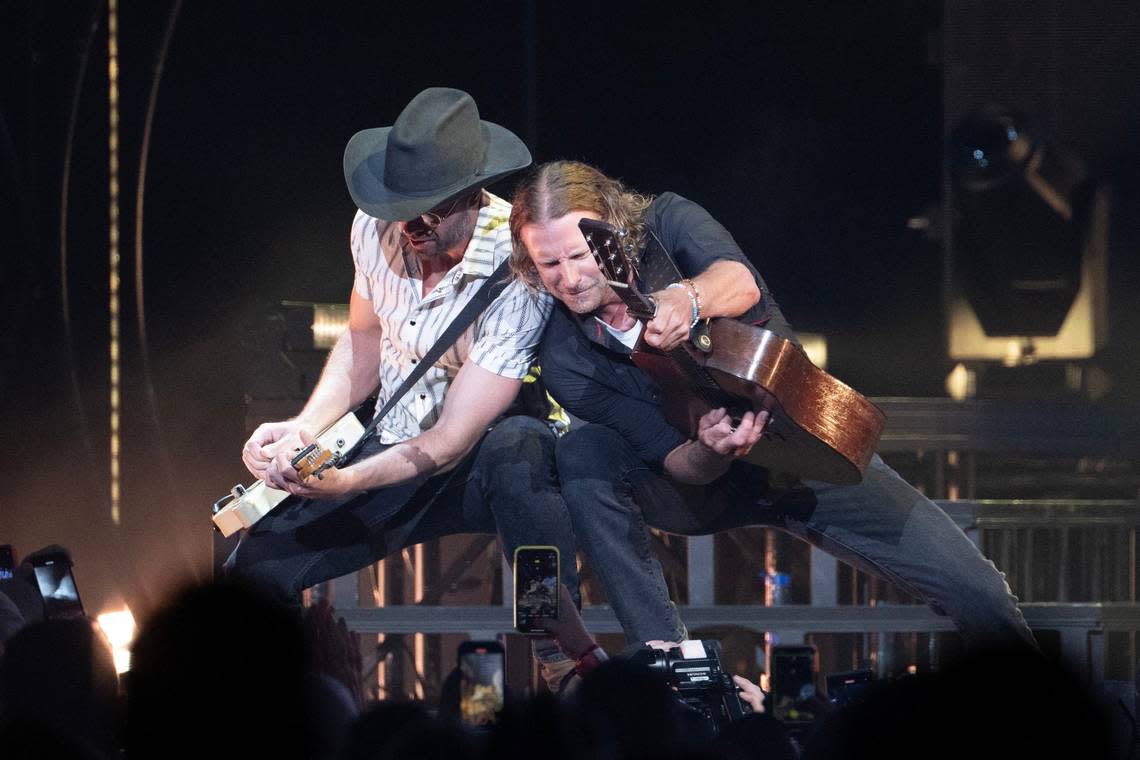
(440, 241)
(583, 302)
(591, 300)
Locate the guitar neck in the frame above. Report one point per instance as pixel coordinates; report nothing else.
(640, 306)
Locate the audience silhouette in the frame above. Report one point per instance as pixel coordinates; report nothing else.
(222, 671)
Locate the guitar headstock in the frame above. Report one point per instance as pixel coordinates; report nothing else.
(613, 252)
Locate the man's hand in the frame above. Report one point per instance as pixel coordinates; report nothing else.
(717, 444)
(261, 448)
(281, 474)
(332, 484)
(716, 431)
(568, 628)
(750, 693)
(671, 324)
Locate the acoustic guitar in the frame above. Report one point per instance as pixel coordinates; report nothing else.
(819, 428)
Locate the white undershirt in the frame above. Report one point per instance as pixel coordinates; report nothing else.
(628, 337)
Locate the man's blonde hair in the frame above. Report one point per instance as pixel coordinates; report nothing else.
(554, 189)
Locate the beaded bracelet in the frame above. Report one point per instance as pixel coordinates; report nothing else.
(693, 301)
(697, 294)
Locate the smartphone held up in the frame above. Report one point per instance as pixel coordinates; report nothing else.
(481, 682)
(792, 681)
(56, 585)
(536, 587)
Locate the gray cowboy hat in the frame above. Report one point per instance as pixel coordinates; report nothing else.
(437, 149)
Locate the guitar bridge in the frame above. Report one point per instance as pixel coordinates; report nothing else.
(314, 460)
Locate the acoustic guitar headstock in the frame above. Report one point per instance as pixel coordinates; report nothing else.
(613, 251)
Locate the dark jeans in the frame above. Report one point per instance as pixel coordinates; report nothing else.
(883, 525)
(507, 485)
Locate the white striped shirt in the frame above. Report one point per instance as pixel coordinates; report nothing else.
(503, 339)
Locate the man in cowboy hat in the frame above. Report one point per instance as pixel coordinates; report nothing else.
(426, 238)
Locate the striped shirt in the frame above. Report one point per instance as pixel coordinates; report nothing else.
(503, 339)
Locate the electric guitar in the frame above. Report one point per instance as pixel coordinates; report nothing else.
(243, 506)
(818, 429)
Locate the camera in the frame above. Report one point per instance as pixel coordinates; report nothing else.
(694, 671)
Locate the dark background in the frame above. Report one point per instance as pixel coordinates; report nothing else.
(813, 131)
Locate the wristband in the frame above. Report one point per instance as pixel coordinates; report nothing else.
(694, 302)
(592, 658)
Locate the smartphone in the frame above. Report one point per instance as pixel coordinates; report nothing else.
(481, 690)
(792, 683)
(845, 688)
(57, 587)
(7, 562)
(536, 587)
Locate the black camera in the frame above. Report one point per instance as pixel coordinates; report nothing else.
(694, 671)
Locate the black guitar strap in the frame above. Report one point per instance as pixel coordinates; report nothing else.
(490, 289)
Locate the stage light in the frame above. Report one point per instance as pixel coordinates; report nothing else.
(119, 628)
(815, 346)
(961, 383)
(113, 301)
(1028, 245)
(313, 326)
(329, 321)
(1019, 223)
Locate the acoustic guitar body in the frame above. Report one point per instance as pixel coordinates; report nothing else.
(819, 427)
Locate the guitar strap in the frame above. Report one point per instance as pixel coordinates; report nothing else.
(490, 289)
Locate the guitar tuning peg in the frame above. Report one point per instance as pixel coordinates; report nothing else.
(628, 247)
(622, 232)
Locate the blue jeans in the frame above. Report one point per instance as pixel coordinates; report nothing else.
(883, 526)
(507, 485)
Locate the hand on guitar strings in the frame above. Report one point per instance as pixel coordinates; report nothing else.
(717, 432)
(671, 324)
(265, 443)
(281, 474)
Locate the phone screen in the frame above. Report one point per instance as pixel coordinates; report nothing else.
(793, 684)
(7, 562)
(480, 682)
(536, 587)
(57, 587)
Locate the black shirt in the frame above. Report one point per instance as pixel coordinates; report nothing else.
(589, 372)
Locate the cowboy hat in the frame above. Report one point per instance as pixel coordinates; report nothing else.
(437, 149)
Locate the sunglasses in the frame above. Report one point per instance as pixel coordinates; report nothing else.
(432, 219)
